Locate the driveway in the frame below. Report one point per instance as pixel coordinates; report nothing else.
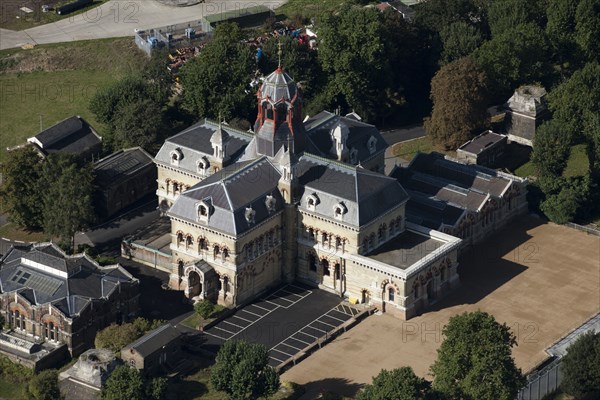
(119, 18)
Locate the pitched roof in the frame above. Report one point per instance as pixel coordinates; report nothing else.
(278, 85)
(194, 143)
(319, 128)
(154, 340)
(72, 135)
(44, 274)
(365, 194)
(229, 192)
(121, 165)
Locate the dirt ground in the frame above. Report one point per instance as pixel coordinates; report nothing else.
(543, 280)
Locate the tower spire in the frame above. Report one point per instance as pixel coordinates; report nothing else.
(279, 52)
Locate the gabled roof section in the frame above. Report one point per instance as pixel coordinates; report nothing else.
(72, 135)
(195, 143)
(154, 340)
(231, 191)
(319, 127)
(44, 274)
(121, 165)
(365, 194)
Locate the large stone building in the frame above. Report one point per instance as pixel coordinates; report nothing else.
(48, 296)
(298, 200)
(525, 111)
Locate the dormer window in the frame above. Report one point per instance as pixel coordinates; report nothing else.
(203, 164)
(203, 210)
(250, 214)
(271, 204)
(372, 144)
(176, 156)
(312, 202)
(353, 156)
(339, 210)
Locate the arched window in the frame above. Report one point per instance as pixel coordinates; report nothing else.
(225, 253)
(202, 244)
(325, 238)
(391, 294)
(325, 265)
(216, 251)
(311, 233)
(51, 329)
(338, 242)
(336, 271)
(226, 284)
(189, 241)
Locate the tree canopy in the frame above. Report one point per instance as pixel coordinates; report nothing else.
(581, 375)
(460, 98)
(474, 360)
(114, 337)
(20, 190)
(459, 40)
(217, 82)
(124, 383)
(242, 371)
(398, 384)
(67, 196)
(44, 386)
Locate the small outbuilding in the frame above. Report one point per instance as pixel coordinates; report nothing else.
(73, 135)
(485, 149)
(156, 352)
(525, 111)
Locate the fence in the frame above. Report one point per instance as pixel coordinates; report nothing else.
(542, 382)
(587, 229)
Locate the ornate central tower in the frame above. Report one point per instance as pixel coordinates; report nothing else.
(279, 121)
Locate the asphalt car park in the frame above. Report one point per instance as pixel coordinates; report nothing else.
(286, 321)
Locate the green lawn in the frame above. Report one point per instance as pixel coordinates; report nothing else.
(10, 21)
(60, 81)
(10, 231)
(192, 321)
(578, 163)
(525, 170)
(10, 390)
(408, 150)
(309, 8)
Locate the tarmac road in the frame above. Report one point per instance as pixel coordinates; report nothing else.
(118, 18)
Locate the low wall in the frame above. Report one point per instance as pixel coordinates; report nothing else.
(180, 3)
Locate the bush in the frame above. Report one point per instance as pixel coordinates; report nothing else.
(105, 260)
(115, 337)
(12, 372)
(44, 386)
(580, 377)
(204, 308)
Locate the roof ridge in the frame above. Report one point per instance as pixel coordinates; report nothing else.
(348, 167)
(150, 335)
(229, 128)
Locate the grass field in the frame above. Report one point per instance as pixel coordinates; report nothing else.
(578, 163)
(14, 233)
(408, 150)
(45, 85)
(309, 8)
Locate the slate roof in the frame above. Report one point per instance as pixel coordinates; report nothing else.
(73, 135)
(405, 249)
(319, 128)
(365, 194)
(44, 274)
(194, 143)
(482, 142)
(278, 85)
(154, 340)
(442, 191)
(121, 165)
(229, 192)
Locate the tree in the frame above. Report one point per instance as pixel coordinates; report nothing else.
(551, 147)
(44, 386)
(67, 196)
(459, 39)
(156, 388)
(124, 383)
(20, 192)
(217, 82)
(158, 76)
(115, 337)
(242, 371)
(581, 375)
(474, 360)
(459, 94)
(398, 384)
(561, 207)
(514, 57)
(587, 29)
(137, 124)
(504, 15)
(118, 106)
(352, 53)
(437, 15)
(561, 27)
(204, 308)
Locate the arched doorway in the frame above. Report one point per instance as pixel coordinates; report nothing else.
(194, 284)
(364, 296)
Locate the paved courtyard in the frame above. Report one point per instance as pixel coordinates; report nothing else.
(286, 321)
(541, 279)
